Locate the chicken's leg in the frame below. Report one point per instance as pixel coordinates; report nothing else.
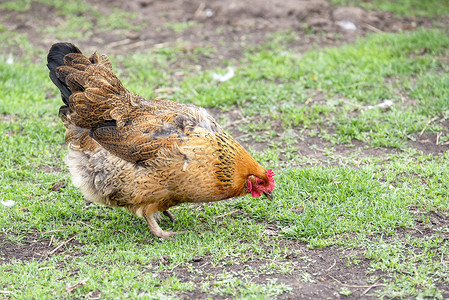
(170, 216)
(156, 230)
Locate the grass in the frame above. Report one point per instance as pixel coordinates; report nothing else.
(383, 66)
(365, 203)
(181, 27)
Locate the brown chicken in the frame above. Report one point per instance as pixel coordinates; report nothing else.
(145, 155)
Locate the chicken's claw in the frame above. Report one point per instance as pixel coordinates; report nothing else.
(170, 216)
(157, 231)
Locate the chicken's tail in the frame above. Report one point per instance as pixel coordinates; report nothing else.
(55, 59)
(88, 86)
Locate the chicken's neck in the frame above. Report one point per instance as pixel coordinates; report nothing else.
(236, 164)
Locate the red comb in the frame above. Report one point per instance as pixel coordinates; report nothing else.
(270, 175)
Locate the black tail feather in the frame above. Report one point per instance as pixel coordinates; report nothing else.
(55, 59)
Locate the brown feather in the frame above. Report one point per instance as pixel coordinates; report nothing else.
(145, 155)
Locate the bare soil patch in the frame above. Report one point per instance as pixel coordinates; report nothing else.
(32, 247)
(319, 273)
(430, 142)
(233, 21)
(229, 26)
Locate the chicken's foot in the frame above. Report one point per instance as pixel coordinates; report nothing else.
(170, 216)
(156, 230)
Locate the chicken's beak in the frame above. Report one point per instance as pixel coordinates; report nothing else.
(269, 195)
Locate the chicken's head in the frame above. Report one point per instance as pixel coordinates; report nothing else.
(258, 186)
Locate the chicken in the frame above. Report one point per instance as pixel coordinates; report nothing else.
(145, 155)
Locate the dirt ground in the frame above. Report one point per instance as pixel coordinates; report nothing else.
(317, 273)
(225, 25)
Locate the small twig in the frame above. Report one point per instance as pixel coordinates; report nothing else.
(374, 285)
(7, 292)
(433, 119)
(61, 244)
(199, 10)
(175, 266)
(161, 45)
(371, 27)
(270, 260)
(135, 45)
(335, 279)
(89, 225)
(321, 150)
(422, 131)
(419, 231)
(428, 123)
(70, 289)
(257, 276)
(335, 262)
(353, 104)
(50, 231)
(227, 214)
(51, 240)
(119, 43)
(438, 137)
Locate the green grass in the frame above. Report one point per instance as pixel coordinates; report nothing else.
(352, 78)
(181, 27)
(364, 203)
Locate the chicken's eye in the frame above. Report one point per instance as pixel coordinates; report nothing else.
(259, 182)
